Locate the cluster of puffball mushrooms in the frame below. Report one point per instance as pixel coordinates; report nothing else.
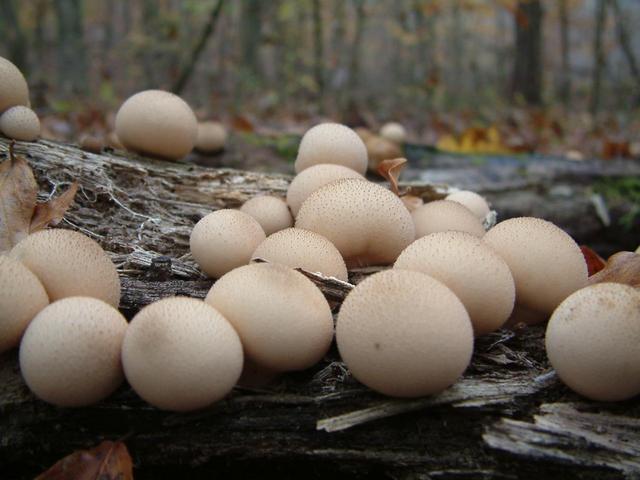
(405, 331)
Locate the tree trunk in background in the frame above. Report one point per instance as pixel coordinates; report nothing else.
(318, 51)
(13, 35)
(149, 51)
(72, 59)
(354, 64)
(250, 37)
(527, 74)
(456, 80)
(598, 55)
(565, 73)
(627, 49)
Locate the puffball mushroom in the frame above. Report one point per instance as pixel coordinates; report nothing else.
(331, 143)
(20, 123)
(22, 296)
(471, 269)
(13, 86)
(70, 353)
(181, 354)
(404, 334)
(592, 341)
(380, 149)
(394, 132)
(212, 137)
(546, 264)
(272, 213)
(224, 240)
(367, 223)
(474, 202)
(444, 215)
(282, 318)
(157, 123)
(298, 248)
(312, 178)
(69, 264)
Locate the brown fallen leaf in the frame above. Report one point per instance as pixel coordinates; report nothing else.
(595, 262)
(622, 267)
(107, 461)
(391, 170)
(52, 212)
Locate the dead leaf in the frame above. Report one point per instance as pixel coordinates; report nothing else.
(595, 262)
(242, 123)
(107, 461)
(391, 170)
(622, 267)
(52, 212)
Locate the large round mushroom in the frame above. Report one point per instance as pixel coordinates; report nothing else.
(20, 123)
(13, 86)
(445, 215)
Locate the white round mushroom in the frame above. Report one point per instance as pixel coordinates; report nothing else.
(404, 334)
(22, 296)
(283, 320)
(69, 264)
(394, 132)
(224, 240)
(546, 263)
(332, 143)
(20, 123)
(212, 137)
(474, 202)
(181, 354)
(272, 213)
(593, 342)
(70, 353)
(380, 149)
(13, 86)
(445, 215)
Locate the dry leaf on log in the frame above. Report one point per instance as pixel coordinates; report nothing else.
(622, 267)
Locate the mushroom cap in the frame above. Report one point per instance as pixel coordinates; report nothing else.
(394, 132)
(471, 269)
(157, 123)
(22, 296)
(380, 149)
(412, 202)
(282, 318)
(13, 86)
(20, 123)
(444, 215)
(181, 354)
(364, 133)
(224, 240)
(69, 264)
(314, 177)
(298, 248)
(366, 222)
(404, 334)
(212, 137)
(272, 213)
(592, 341)
(474, 202)
(70, 353)
(546, 264)
(331, 143)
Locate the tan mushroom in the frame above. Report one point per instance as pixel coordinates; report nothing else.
(13, 86)
(272, 213)
(444, 215)
(212, 137)
(394, 132)
(380, 149)
(20, 123)
(474, 202)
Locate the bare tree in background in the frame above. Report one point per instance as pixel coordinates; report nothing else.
(12, 32)
(318, 51)
(626, 45)
(72, 59)
(354, 64)
(527, 73)
(251, 29)
(598, 55)
(565, 72)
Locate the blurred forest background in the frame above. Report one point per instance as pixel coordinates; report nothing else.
(553, 76)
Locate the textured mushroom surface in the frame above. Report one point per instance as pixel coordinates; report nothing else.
(13, 86)
(444, 215)
(20, 123)
(272, 213)
(69, 264)
(70, 353)
(474, 202)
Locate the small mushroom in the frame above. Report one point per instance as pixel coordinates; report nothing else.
(394, 132)
(474, 202)
(70, 353)
(404, 334)
(283, 320)
(380, 149)
(272, 213)
(69, 264)
(331, 143)
(22, 296)
(367, 223)
(181, 354)
(298, 248)
(157, 123)
(444, 215)
(13, 86)
(471, 269)
(224, 240)
(312, 178)
(20, 123)
(592, 341)
(212, 137)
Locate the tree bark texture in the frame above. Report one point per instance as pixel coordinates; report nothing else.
(598, 55)
(527, 74)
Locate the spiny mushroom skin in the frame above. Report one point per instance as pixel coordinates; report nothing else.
(212, 137)
(380, 149)
(592, 341)
(70, 353)
(367, 223)
(298, 248)
(157, 123)
(444, 215)
(394, 132)
(69, 264)
(546, 263)
(404, 334)
(181, 354)
(272, 213)
(224, 240)
(13, 86)
(474, 202)
(471, 269)
(20, 123)
(283, 320)
(331, 143)
(22, 296)
(311, 179)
